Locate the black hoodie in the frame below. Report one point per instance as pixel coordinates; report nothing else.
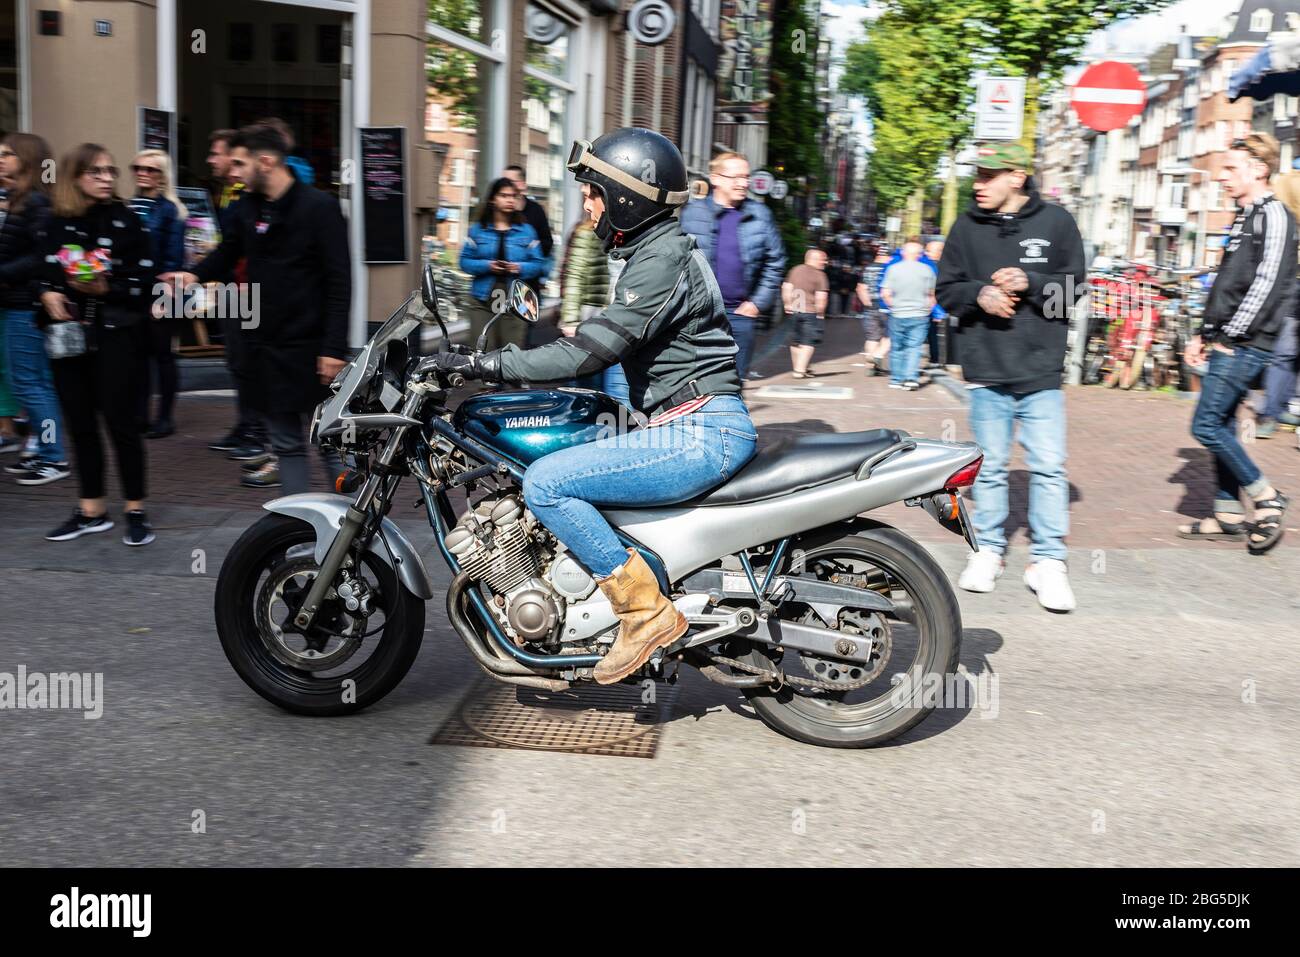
(1025, 353)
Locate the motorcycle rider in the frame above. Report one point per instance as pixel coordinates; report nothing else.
(667, 325)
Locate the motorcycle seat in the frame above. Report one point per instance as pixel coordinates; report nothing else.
(800, 462)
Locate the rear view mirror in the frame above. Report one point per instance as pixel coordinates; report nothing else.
(429, 291)
(524, 302)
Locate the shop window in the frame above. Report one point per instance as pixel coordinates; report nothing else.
(459, 74)
(239, 42)
(284, 42)
(329, 42)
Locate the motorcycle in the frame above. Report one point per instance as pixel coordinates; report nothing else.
(835, 626)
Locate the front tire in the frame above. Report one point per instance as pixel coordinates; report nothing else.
(906, 569)
(274, 549)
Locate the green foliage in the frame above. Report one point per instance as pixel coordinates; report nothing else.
(794, 121)
(916, 66)
(452, 72)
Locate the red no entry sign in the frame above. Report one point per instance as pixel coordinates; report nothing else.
(1108, 95)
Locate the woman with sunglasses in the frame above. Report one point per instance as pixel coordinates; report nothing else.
(99, 272)
(500, 247)
(22, 257)
(163, 216)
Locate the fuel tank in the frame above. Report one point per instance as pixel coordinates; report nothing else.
(524, 425)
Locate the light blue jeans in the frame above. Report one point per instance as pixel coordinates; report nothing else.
(994, 413)
(669, 463)
(906, 337)
(28, 370)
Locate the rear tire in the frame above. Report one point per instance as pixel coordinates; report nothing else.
(294, 689)
(938, 626)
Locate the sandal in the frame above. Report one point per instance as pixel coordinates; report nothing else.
(1228, 531)
(1269, 528)
(804, 375)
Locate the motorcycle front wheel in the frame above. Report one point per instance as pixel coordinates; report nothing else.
(348, 659)
(864, 705)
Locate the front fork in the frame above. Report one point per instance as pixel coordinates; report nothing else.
(353, 521)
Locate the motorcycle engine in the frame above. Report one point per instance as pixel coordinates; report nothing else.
(496, 543)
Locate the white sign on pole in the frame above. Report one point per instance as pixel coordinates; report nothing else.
(779, 189)
(893, 224)
(760, 182)
(1000, 108)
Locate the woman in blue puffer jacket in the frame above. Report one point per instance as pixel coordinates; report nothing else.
(500, 247)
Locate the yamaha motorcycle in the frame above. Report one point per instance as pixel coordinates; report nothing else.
(832, 624)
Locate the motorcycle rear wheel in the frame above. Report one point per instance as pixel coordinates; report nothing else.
(913, 579)
(271, 547)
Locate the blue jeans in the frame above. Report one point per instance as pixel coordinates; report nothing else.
(612, 381)
(1214, 424)
(906, 337)
(994, 413)
(1280, 379)
(654, 466)
(28, 371)
(742, 330)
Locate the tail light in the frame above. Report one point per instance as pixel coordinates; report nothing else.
(965, 476)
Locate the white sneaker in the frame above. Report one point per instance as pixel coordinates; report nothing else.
(983, 569)
(1048, 579)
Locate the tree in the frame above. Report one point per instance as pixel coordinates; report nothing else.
(451, 72)
(914, 71)
(1040, 40)
(794, 123)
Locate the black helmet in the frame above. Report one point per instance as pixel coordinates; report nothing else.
(641, 175)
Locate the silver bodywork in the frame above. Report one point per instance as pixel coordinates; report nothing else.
(324, 512)
(689, 538)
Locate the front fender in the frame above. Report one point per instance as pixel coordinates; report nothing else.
(324, 512)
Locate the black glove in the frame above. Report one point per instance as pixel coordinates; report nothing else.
(485, 366)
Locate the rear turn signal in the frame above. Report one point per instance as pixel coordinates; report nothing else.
(965, 476)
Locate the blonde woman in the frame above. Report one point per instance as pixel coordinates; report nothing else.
(163, 217)
(98, 386)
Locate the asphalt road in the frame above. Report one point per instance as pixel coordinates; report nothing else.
(1155, 726)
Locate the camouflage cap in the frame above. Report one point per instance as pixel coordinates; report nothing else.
(1004, 155)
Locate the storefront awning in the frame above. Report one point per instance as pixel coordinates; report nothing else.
(1274, 69)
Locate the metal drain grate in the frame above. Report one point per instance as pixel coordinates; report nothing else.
(588, 720)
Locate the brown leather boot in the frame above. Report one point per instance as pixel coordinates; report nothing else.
(647, 620)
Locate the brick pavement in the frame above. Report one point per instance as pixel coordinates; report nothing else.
(1135, 471)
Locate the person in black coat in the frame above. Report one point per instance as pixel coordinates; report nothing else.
(294, 328)
(23, 158)
(113, 308)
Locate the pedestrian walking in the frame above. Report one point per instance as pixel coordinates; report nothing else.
(940, 340)
(805, 293)
(876, 339)
(586, 286)
(500, 247)
(740, 240)
(1244, 316)
(26, 367)
(246, 440)
(96, 285)
(908, 291)
(295, 241)
(1280, 379)
(1009, 267)
(163, 216)
(534, 216)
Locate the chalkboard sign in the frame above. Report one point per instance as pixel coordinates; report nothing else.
(383, 193)
(158, 131)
